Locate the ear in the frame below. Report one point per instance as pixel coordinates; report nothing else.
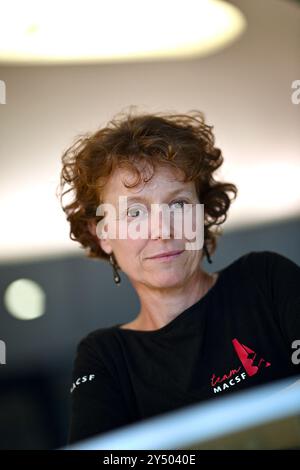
(106, 246)
(104, 243)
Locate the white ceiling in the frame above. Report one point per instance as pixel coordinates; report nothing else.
(244, 91)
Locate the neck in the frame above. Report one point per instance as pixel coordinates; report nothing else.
(160, 306)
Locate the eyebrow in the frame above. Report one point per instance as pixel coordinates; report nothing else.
(172, 193)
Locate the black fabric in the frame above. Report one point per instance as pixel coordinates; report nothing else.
(237, 336)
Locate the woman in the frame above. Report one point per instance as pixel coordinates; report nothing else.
(197, 335)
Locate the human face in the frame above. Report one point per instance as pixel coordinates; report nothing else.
(135, 255)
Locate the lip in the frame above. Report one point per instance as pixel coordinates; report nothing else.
(167, 254)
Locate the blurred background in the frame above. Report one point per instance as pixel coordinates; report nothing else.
(67, 68)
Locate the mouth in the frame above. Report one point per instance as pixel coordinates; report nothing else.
(167, 256)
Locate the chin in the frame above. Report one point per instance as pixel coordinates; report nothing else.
(167, 279)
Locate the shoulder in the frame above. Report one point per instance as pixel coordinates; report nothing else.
(271, 264)
(93, 338)
(259, 257)
(266, 262)
(267, 271)
(94, 347)
(249, 266)
(274, 274)
(94, 358)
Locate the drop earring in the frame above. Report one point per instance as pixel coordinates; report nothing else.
(116, 275)
(207, 254)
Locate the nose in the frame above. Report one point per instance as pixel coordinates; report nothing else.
(160, 222)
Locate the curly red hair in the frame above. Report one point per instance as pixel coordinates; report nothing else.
(182, 141)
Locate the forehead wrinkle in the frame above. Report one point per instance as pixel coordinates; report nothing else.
(171, 193)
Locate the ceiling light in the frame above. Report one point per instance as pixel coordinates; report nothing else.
(57, 31)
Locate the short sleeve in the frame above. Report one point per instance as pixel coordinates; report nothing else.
(97, 404)
(283, 277)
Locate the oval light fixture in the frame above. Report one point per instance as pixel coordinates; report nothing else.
(93, 31)
(24, 299)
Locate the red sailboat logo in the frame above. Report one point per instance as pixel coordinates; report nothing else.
(248, 358)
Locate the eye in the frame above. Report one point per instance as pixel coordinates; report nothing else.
(135, 211)
(181, 202)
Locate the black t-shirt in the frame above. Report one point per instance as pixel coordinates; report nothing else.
(238, 335)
